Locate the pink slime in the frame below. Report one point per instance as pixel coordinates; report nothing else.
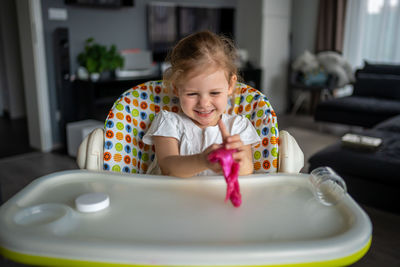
(230, 168)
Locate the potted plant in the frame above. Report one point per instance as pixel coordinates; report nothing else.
(98, 59)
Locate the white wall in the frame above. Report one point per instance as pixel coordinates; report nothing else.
(34, 74)
(263, 29)
(249, 29)
(303, 26)
(275, 51)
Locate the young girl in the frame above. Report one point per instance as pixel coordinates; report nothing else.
(203, 75)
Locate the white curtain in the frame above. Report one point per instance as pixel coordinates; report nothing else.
(372, 32)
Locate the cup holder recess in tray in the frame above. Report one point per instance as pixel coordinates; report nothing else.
(57, 218)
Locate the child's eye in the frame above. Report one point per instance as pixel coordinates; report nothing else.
(215, 93)
(191, 94)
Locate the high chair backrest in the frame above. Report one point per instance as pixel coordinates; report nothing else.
(133, 112)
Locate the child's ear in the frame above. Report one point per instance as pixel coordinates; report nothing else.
(232, 84)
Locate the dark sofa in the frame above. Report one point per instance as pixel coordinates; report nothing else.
(373, 177)
(375, 98)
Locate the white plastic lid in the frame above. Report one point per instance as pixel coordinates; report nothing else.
(92, 202)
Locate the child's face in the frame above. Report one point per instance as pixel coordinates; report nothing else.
(204, 97)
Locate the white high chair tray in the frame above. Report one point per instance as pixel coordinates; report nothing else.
(159, 220)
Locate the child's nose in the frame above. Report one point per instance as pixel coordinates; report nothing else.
(204, 101)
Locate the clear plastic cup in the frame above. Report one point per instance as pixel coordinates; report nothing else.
(328, 187)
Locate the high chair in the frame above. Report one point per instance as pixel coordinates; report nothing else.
(109, 218)
(119, 146)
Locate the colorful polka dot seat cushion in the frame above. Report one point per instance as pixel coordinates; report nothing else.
(133, 112)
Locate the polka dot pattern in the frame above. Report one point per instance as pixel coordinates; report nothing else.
(133, 112)
(256, 107)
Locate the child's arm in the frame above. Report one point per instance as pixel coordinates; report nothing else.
(171, 163)
(243, 155)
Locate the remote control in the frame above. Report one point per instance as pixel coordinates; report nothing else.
(361, 141)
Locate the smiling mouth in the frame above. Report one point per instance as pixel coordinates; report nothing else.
(204, 113)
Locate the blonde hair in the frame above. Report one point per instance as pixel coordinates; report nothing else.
(200, 51)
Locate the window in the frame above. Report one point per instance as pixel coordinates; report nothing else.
(372, 32)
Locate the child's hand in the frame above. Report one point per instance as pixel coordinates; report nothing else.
(215, 167)
(243, 155)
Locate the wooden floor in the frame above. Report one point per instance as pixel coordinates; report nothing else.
(19, 170)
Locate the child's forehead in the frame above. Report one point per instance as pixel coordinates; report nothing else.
(207, 76)
(202, 89)
(205, 85)
(201, 70)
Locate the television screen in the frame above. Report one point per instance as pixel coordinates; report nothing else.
(193, 19)
(168, 23)
(162, 26)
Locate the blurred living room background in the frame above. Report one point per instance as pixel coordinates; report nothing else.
(328, 67)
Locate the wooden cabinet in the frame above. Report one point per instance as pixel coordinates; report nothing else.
(95, 99)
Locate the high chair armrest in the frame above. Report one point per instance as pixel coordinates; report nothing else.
(90, 152)
(291, 158)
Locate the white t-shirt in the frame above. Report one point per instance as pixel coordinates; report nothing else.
(192, 139)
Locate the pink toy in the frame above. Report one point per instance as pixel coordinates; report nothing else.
(230, 168)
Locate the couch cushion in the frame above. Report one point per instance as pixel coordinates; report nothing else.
(380, 166)
(391, 125)
(381, 68)
(357, 110)
(377, 85)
